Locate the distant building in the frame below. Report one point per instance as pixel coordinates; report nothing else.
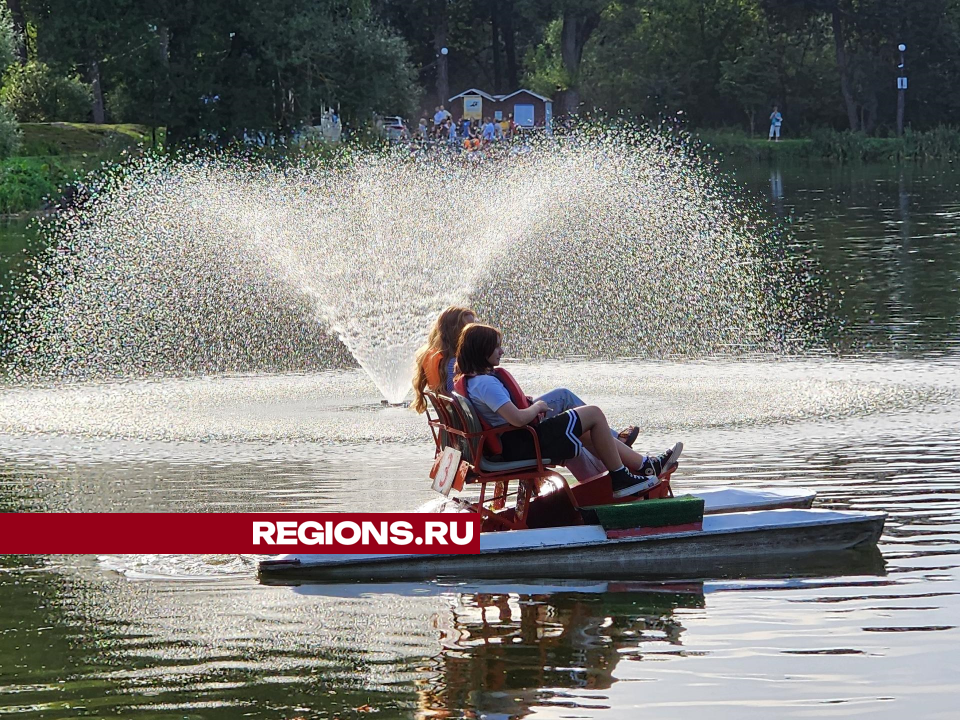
(529, 109)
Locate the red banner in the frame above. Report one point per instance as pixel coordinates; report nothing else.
(253, 533)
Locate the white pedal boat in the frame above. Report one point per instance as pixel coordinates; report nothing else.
(727, 542)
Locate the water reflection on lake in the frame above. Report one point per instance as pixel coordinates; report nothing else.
(886, 240)
(874, 427)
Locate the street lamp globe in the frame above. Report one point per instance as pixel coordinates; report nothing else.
(901, 47)
(444, 51)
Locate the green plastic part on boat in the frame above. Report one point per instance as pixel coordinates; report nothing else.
(646, 513)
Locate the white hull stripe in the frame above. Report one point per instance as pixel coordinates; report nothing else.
(571, 423)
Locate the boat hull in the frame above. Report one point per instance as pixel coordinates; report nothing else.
(729, 548)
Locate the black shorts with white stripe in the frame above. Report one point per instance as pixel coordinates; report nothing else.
(559, 439)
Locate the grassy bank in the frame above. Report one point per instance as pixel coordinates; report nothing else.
(78, 138)
(941, 143)
(53, 155)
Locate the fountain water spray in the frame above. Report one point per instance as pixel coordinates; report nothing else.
(606, 243)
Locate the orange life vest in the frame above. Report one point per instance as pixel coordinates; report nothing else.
(431, 368)
(516, 396)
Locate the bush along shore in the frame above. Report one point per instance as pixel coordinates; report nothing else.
(53, 156)
(941, 143)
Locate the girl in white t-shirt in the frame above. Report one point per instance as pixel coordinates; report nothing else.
(561, 437)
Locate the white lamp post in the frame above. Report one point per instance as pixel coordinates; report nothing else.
(901, 89)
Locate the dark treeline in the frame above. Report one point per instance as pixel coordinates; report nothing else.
(219, 68)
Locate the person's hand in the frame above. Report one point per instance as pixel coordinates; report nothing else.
(541, 406)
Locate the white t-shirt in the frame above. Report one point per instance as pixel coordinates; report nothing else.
(439, 117)
(488, 395)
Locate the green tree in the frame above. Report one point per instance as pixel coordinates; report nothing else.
(9, 40)
(10, 135)
(560, 56)
(217, 69)
(545, 72)
(80, 37)
(35, 93)
(748, 79)
(665, 55)
(865, 35)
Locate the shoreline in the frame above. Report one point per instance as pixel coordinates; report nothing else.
(56, 154)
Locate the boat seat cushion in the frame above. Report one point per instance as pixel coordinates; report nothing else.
(488, 465)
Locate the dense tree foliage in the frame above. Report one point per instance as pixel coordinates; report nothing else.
(218, 69)
(36, 94)
(9, 46)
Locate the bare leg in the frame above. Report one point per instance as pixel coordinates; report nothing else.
(561, 399)
(628, 456)
(604, 445)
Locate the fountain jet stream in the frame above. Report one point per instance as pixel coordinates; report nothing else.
(606, 243)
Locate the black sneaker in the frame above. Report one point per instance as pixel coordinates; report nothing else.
(625, 483)
(656, 465)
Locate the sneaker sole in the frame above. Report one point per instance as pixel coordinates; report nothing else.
(672, 458)
(635, 489)
(667, 470)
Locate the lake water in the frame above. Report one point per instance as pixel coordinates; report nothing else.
(872, 424)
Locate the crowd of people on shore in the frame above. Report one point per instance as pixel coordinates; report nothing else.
(468, 134)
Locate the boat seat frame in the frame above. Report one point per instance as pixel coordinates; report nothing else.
(454, 423)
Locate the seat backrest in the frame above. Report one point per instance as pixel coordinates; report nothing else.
(436, 411)
(472, 424)
(455, 421)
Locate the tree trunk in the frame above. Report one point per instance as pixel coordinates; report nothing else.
(869, 123)
(163, 32)
(495, 46)
(20, 26)
(569, 101)
(177, 123)
(509, 44)
(440, 32)
(753, 118)
(841, 45)
(99, 116)
(576, 30)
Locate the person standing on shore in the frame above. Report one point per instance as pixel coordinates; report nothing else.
(776, 120)
(489, 132)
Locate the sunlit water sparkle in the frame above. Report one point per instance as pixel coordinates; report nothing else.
(609, 243)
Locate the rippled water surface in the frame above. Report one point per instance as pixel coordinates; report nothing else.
(874, 426)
